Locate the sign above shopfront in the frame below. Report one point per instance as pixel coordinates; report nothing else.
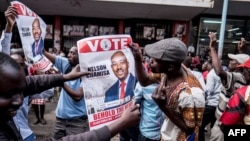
(189, 3)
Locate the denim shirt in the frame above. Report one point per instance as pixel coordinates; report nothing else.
(5, 42)
(21, 119)
(151, 115)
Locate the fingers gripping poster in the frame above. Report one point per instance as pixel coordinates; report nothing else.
(32, 30)
(108, 90)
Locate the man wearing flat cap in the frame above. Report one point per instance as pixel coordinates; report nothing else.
(179, 94)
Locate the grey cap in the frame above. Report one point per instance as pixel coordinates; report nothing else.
(171, 50)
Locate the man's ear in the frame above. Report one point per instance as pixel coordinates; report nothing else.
(170, 68)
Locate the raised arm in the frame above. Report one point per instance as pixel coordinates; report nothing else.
(50, 56)
(10, 16)
(215, 59)
(74, 94)
(160, 98)
(141, 73)
(39, 83)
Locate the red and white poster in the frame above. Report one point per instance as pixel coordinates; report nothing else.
(32, 30)
(108, 91)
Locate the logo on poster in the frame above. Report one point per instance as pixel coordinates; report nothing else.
(105, 44)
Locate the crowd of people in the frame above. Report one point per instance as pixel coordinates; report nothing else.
(177, 96)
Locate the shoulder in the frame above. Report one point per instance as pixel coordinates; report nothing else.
(241, 90)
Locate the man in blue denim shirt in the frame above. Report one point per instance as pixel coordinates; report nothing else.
(151, 116)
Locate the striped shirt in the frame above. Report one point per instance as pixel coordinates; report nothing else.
(234, 81)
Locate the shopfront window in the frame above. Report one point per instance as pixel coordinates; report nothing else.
(234, 30)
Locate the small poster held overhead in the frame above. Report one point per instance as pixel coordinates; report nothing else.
(108, 90)
(32, 30)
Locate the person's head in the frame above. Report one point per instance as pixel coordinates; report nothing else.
(204, 66)
(19, 59)
(36, 29)
(245, 70)
(209, 65)
(235, 60)
(73, 56)
(166, 55)
(12, 82)
(232, 66)
(188, 61)
(120, 65)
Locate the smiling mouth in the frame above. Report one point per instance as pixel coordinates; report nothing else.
(119, 72)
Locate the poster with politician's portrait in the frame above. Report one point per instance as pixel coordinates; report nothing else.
(104, 30)
(32, 30)
(149, 32)
(92, 30)
(160, 33)
(108, 90)
(49, 31)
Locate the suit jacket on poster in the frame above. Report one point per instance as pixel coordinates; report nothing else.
(113, 92)
(40, 48)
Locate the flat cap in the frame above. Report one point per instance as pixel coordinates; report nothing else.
(171, 50)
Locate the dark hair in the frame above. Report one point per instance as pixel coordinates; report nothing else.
(7, 60)
(188, 61)
(166, 63)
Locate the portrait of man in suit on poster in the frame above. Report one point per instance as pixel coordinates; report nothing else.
(37, 46)
(123, 88)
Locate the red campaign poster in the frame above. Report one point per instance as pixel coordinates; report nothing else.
(32, 30)
(108, 91)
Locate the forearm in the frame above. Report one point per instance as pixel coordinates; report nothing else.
(101, 134)
(50, 56)
(216, 63)
(8, 28)
(116, 127)
(76, 95)
(40, 83)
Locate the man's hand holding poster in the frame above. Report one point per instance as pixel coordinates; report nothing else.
(32, 30)
(108, 90)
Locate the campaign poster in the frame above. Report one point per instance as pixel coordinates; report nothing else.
(73, 30)
(108, 90)
(49, 32)
(106, 30)
(32, 30)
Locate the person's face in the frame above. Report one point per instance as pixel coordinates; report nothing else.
(73, 56)
(204, 66)
(155, 65)
(232, 65)
(120, 65)
(12, 83)
(36, 30)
